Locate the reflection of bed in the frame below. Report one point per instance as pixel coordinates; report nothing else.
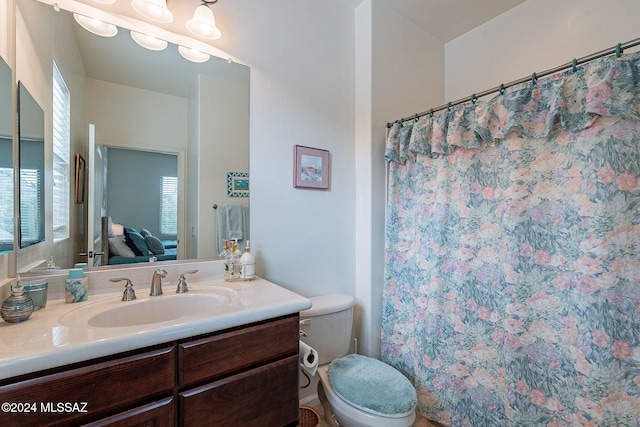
(115, 252)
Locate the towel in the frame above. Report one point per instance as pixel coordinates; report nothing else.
(235, 222)
(232, 222)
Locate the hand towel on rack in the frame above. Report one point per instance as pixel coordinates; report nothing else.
(235, 222)
(232, 222)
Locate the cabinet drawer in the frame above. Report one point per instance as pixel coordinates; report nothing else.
(264, 396)
(229, 352)
(156, 414)
(98, 390)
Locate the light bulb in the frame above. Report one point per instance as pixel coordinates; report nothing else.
(155, 10)
(193, 55)
(203, 23)
(96, 26)
(149, 42)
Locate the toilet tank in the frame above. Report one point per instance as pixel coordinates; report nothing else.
(327, 325)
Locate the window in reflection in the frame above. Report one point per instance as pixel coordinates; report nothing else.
(61, 155)
(31, 225)
(169, 205)
(6, 195)
(31, 153)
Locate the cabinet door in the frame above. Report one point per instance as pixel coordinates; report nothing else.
(93, 391)
(157, 414)
(264, 396)
(230, 352)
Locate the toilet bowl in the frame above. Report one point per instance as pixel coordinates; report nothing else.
(347, 386)
(349, 415)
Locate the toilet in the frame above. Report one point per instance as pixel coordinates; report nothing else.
(355, 390)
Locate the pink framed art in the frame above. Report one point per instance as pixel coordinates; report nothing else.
(310, 167)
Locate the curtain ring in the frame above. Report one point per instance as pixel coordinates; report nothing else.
(415, 117)
(534, 78)
(574, 65)
(431, 113)
(473, 99)
(618, 50)
(449, 106)
(501, 88)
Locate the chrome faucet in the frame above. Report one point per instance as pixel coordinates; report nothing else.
(129, 294)
(156, 282)
(182, 282)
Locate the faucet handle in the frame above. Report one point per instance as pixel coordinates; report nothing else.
(182, 282)
(129, 294)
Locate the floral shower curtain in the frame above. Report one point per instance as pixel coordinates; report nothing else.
(512, 271)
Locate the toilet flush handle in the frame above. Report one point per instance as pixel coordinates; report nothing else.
(302, 333)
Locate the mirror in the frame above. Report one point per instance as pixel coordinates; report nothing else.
(154, 102)
(6, 159)
(31, 154)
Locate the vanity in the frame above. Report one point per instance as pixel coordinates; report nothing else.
(231, 359)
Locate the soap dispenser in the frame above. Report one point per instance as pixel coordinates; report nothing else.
(247, 264)
(232, 264)
(76, 286)
(228, 264)
(18, 306)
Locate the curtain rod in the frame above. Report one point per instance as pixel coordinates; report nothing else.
(616, 49)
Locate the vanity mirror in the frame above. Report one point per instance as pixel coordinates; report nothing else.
(6, 159)
(147, 101)
(31, 182)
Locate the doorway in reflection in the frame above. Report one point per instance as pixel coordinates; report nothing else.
(142, 190)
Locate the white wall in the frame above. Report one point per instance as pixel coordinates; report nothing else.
(224, 119)
(118, 112)
(535, 36)
(34, 67)
(399, 70)
(302, 92)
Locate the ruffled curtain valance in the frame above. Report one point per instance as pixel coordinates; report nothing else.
(571, 101)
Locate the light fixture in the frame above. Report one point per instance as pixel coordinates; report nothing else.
(149, 42)
(105, 1)
(156, 10)
(193, 55)
(96, 26)
(203, 23)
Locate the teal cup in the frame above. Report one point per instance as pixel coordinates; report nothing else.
(37, 290)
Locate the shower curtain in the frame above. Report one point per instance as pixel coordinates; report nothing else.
(512, 258)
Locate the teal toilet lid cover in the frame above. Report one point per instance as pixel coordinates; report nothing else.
(372, 385)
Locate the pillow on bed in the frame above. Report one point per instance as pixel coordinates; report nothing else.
(136, 242)
(145, 232)
(154, 244)
(118, 247)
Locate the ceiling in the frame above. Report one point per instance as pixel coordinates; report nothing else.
(445, 19)
(448, 19)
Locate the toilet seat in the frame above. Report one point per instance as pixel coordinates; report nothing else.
(372, 386)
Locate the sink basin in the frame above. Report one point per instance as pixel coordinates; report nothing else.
(155, 310)
(113, 314)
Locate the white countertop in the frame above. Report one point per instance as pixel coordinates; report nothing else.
(58, 334)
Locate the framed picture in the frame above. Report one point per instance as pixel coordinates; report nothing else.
(237, 184)
(310, 167)
(80, 178)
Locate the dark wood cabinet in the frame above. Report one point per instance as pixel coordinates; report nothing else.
(244, 376)
(156, 414)
(245, 399)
